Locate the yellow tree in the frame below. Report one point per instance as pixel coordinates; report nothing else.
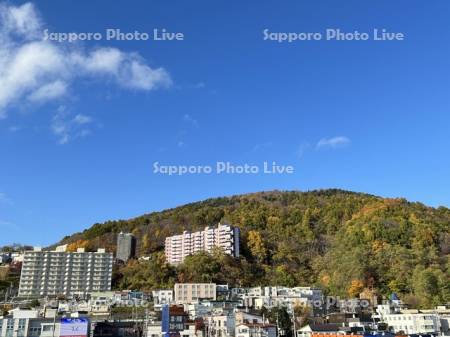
(356, 287)
(145, 243)
(256, 245)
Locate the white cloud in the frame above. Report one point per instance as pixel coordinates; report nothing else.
(48, 92)
(136, 75)
(22, 21)
(106, 60)
(127, 69)
(82, 119)
(43, 70)
(67, 128)
(28, 69)
(333, 142)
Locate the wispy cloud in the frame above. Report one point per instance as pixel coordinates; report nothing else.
(262, 146)
(48, 92)
(333, 143)
(82, 119)
(190, 120)
(14, 128)
(302, 149)
(191, 123)
(34, 70)
(8, 225)
(66, 127)
(5, 200)
(199, 85)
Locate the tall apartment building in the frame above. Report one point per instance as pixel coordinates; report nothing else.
(65, 273)
(193, 292)
(126, 246)
(225, 236)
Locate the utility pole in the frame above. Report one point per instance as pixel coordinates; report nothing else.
(278, 327)
(54, 324)
(293, 325)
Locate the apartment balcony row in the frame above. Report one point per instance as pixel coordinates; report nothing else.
(28, 273)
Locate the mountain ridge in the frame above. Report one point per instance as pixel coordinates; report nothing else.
(341, 241)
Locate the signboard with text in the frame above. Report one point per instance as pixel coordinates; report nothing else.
(74, 327)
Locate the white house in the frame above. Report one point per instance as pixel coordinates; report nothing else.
(221, 325)
(161, 297)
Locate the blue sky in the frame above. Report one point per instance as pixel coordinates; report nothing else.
(82, 123)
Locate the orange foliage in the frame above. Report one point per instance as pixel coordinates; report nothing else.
(72, 247)
(355, 288)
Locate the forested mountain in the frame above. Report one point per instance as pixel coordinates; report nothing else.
(343, 242)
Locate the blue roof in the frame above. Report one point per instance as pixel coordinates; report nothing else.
(394, 297)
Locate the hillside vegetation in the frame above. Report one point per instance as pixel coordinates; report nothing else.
(343, 242)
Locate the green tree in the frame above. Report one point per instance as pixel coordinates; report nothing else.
(281, 317)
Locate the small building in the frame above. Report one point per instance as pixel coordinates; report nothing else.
(161, 297)
(413, 322)
(190, 330)
(175, 323)
(243, 317)
(221, 325)
(193, 292)
(318, 329)
(28, 323)
(256, 330)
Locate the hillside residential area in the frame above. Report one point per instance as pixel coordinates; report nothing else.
(61, 291)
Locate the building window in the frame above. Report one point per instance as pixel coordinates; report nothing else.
(35, 331)
(21, 327)
(9, 327)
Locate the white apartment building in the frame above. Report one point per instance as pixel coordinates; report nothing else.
(272, 302)
(309, 293)
(52, 273)
(225, 236)
(274, 296)
(192, 292)
(413, 322)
